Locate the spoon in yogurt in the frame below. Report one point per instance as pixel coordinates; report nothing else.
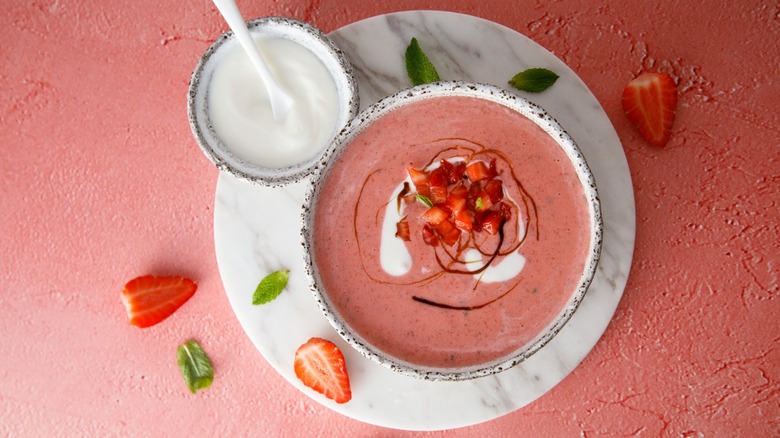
(281, 102)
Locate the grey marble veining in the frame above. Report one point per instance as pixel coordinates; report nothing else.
(256, 229)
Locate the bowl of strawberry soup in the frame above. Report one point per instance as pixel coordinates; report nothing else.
(453, 232)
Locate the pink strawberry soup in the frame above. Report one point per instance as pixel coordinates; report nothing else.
(451, 232)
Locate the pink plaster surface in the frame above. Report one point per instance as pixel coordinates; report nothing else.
(101, 181)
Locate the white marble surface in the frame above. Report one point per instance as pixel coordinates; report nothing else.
(256, 230)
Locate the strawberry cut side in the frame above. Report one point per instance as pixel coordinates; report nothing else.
(320, 365)
(650, 103)
(149, 299)
(477, 171)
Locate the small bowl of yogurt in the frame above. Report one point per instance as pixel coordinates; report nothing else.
(453, 232)
(230, 113)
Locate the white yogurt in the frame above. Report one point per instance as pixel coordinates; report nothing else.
(240, 111)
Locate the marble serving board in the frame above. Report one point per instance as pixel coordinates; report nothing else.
(257, 229)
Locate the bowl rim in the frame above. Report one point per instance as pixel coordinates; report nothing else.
(492, 93)
(294, 30)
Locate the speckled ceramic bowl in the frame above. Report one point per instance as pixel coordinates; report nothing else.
(379, 110)
(307, 36)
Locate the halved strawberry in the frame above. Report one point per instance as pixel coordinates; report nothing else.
(477, 171)
(650, 103)
(320, 365)
(148, 299)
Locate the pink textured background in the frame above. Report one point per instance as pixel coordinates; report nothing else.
(101, 181)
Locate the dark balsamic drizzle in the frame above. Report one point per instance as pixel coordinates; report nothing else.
(451, 307)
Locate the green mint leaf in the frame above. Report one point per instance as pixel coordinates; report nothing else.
(270, 287)
(534, 80)
(418, 66)
(478, 204)
(424, 199)
(195, 366)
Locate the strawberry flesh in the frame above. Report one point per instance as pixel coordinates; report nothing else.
(477, 171)
(460, 205)
(402, 230)
(149, 299)
(492, 222)
(650, 103)
(320, 365)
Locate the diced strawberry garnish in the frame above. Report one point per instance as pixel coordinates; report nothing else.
(456, 200)
(484, 201)
(438, 178)
(492, 222)
(506, 210)
(449, 169)
(435, 215)
(437, 181)
(438, 194)
(650, 103)
(460, 170)
(464, 220)
(419, 178)
(320, 365)
(429, 236)
(493, 168)
(149, 300)
(450, 237)
(477, 171)
(495, 190)
(402, 230)
(420, 181)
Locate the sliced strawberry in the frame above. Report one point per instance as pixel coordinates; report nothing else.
(435, 215)
(477, 171)
(402, 230)
(320, 365)
(456, 200)
(492, 222)
(148, 299)
(429, 236)
(495, 190)
(650, 103)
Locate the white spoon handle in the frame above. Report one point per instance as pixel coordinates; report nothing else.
(281, 102)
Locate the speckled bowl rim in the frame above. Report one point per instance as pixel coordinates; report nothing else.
(197, 100)
(465, 89)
